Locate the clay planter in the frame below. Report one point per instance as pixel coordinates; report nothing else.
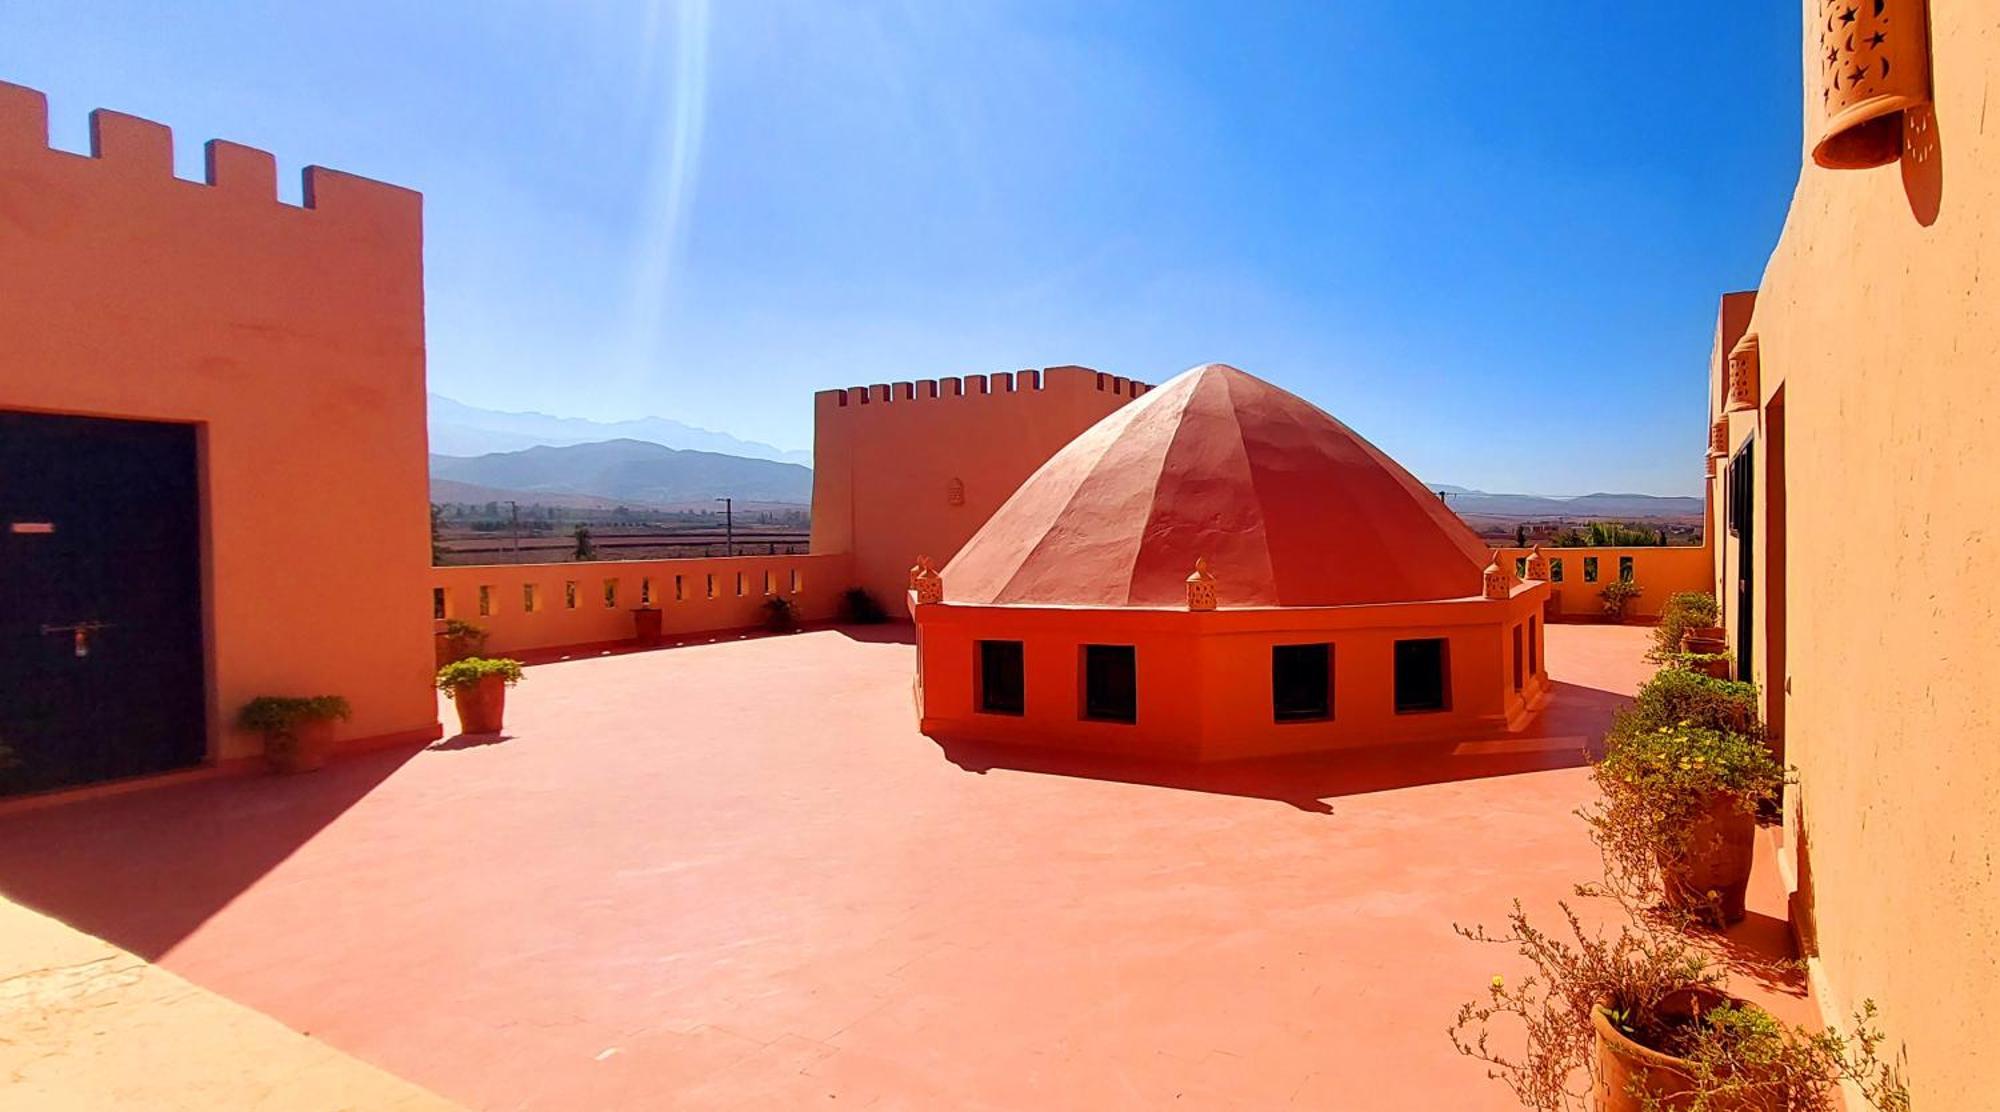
(451, 650)
(1625, 1067)
(1721, 843)
(1705, 639)
(482, 706)
(646, 625)
(310, 744)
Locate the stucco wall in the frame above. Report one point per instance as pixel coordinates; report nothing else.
(1878, 321)
(680, 589)
(914, 469)
(293, 338)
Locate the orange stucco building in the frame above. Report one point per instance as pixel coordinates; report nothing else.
(1220, 570)
(1854, 444)
(214, 444)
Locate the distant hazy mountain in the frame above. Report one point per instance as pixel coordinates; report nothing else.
(1529, 506)
(458, 429)
(635, 472)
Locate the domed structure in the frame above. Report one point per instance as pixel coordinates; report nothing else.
(1289, 506)
(1219, 570)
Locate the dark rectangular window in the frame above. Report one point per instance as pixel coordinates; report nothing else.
(1625, 569)
(1556, 570)
(1534, 646)
(1422, 675)
(1001, 678)
(1110, 683)
(1301, 682)
(1520, 567)
(1518, 677)
(1590, 569)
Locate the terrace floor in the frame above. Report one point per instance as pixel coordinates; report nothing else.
(733, 875)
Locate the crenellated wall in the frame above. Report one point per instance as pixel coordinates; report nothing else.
(914, 468)
(292, 337)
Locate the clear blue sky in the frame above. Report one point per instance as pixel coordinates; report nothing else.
(1490, 238)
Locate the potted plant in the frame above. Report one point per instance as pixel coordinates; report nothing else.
(1715, 665)
(297, 731)
(860, 608)
(478, 688)
(457, 640)
(646, 624)
(1686, 613)
(1618, 595)
(1679, 809)
(1639, 1021)
(779, 614)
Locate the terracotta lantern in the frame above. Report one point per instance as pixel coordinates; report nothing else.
(1201, 586)
(1538, 564)
(1709, 468)
(1718, 437)
(1499, 579)
(1743, 373)
(926, 582)
(954, 492)
(1873, 59)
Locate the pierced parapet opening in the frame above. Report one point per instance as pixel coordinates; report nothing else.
(1874, 65)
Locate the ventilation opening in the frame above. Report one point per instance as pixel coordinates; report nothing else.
(1110, 683)
(1002, 679)
(1422, 676)
(1519, 679)
(1301, 682)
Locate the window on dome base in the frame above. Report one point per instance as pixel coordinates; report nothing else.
(1422, 675)
(1001, 678)
(1301, 683)
(1110, 683)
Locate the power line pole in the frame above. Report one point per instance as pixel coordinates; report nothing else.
(728, 526)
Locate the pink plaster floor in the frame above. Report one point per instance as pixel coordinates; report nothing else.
(734, 876)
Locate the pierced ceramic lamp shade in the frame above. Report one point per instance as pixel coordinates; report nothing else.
(1874, 65)
(1743, 367)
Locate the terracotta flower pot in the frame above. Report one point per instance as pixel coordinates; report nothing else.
(646, 625)
(481, 706)
(303, 750)
(1704, 639)
(1722, 841)
(1625, 1069)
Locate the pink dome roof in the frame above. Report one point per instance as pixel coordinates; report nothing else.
(1290, 507)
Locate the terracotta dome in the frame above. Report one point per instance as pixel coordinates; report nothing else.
(1288, 505)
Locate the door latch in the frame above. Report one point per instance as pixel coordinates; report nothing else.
(79, 634)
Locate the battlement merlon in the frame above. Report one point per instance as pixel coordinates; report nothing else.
(1047, 380)
(136, 148)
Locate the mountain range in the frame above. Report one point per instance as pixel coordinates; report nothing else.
(1529, 507)
(630, 472)
(458, 429)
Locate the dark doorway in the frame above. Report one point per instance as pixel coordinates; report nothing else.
(101, 661)
(1422, 676)
(1002, 687)
(1743, 526)
(1301, 682)
(1110, 683)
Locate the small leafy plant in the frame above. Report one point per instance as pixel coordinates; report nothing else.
(1674, 697)
(860, 608)
(1684, 610)
(1618, 594)
(461, 674)
(280, 716)
(779, 614)
(462, 639)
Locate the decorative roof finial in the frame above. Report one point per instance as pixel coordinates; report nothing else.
(1538, 564)
(1201, 586)
(926, 582)
(1499, 579)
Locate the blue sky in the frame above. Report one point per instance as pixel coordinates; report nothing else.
(1490, 238)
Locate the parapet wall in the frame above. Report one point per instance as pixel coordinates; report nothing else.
(910, 469)
(581, 604)
(1661, 571)
(292, 338)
